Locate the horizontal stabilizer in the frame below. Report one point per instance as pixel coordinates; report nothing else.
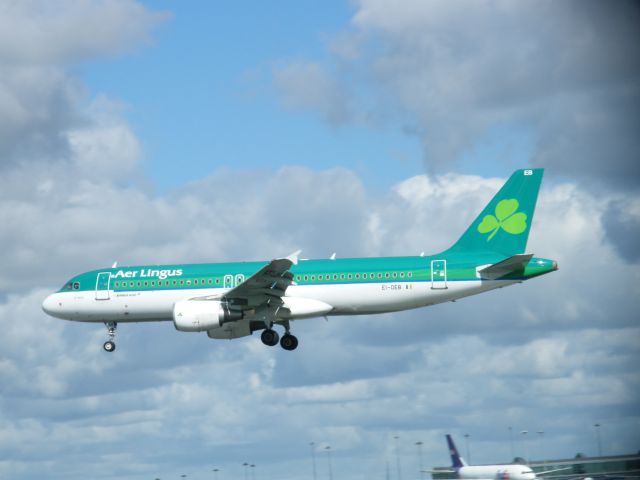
(512, 264)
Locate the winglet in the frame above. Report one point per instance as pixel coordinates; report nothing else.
(293, 258)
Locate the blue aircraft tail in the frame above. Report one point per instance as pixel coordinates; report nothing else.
(456, 460)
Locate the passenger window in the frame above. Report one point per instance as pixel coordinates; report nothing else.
(364, 275)
(217, 281)
(401, 274)
(394, 275)
(188, 282)
(335, 276)
(410, 274)
(306, 277)
(181, 282)
(153, 284)
(349, 276)
(379, 275)
(195, 282)
(342, 276)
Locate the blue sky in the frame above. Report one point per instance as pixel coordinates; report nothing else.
(162, 132)
(202, 92)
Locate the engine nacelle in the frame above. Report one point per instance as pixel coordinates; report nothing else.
(201, 315)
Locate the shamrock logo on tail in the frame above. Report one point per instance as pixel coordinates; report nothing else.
(505, 218)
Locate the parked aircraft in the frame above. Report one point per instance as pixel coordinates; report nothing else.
(508, 471)
(232, 300)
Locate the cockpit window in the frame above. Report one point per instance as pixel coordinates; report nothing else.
(70, 286)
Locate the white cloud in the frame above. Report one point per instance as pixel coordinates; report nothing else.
(455, 73)
(171, 402)
(435, 370)
(308, 86)
(36, 31)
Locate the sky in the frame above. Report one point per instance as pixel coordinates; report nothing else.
(160, 132)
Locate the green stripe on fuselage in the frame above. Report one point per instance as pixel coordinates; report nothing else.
(460, 267)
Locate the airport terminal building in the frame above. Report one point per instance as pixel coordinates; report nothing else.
(613, 466)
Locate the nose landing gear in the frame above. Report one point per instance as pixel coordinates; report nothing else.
(109, 345)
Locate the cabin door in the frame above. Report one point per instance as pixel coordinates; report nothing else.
(438, 274)
(102, 286)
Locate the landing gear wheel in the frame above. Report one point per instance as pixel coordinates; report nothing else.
(289, 342)
(270, 337)
(109, 345)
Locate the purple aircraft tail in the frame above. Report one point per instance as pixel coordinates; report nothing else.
(456, 460)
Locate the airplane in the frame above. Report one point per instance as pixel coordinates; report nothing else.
(233, 300)
(464, 471)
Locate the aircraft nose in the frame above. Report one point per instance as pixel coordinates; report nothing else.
(49, 305)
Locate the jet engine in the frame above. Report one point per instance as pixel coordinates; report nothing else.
(201, 315)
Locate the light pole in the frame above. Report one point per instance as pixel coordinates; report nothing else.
(513, 455)
(328, 449)
(215, 473)
(541, 447)
(466, 440)
(313, 458)
(524, 444)
(419, 445)
(396, 437)
(253, 471)
(246, 473)
(597, 427)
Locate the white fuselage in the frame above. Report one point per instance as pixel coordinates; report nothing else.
(345, 299)
(496, 472)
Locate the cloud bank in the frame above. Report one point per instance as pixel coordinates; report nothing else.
(560, 77)
(555, 354)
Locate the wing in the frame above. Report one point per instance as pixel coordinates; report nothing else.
(265, 288)
(546, 472)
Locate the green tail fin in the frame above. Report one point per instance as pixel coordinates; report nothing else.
(504, 224)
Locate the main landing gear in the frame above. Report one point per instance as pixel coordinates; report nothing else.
(109, 345)
(270, 338)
